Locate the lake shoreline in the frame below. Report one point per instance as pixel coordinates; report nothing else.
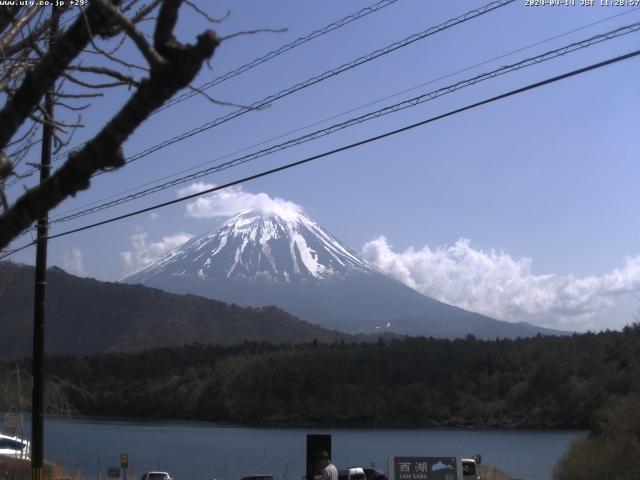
(192, 449)
(295, 426)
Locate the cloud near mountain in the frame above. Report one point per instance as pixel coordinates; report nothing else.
(143, 252)
(234, 200)
(486, 281)
(72, 261)
(495, 284)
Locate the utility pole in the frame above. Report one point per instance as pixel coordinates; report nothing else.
(37, 401)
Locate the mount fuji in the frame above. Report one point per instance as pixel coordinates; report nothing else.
(284, 258)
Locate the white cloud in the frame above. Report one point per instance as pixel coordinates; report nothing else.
(154, 216)
(495, 284)
(234, 200)
(143, 252)
(72, 262)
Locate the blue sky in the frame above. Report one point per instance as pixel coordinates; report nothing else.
(525, 209)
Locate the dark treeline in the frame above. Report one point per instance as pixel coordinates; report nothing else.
(612, 448)
(541, 382)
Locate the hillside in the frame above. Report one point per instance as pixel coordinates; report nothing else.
(87, 316)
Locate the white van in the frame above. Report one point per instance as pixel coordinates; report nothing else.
(14, 447)
(353, 473)
(469, 469)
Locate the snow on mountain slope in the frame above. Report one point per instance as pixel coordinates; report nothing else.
(254, 245)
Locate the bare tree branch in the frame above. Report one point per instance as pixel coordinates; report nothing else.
(97, 86)
(123, 22)
(21, 152)
(79, 95)
(5, 167)
(37, 81)
(57, 124)
(253, 32)
(205, 15)
(100, 51)
(104, 150)
(14, 73)
(163, 38)
(23, 137)
(144, 11)
(107, 72)
(18, 25)
(7, 16)
(73, 108)
(215, 100)
(26, 42)
(109, 54)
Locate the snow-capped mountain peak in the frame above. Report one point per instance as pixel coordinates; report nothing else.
(284, 258)
(270, 245)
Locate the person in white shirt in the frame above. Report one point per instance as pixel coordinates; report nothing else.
(329, 470)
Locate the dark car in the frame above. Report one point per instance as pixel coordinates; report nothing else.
(156, 476)
(373, 474)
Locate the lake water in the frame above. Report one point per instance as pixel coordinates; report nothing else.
(205, 452)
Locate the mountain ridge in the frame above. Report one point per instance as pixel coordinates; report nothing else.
(86, 316)
(269, 257)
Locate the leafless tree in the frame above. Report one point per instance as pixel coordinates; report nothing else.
(82, 59)
(15, 398)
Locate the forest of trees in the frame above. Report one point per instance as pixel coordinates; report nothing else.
(612, 449)
(541, 382)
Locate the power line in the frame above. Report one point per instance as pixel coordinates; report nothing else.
(279, 51)
(256, 62)
(321, 77)
(332, 117)
(368, 140)
(527, 62)
(265, 58)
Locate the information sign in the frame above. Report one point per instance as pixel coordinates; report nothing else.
(424, 468)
